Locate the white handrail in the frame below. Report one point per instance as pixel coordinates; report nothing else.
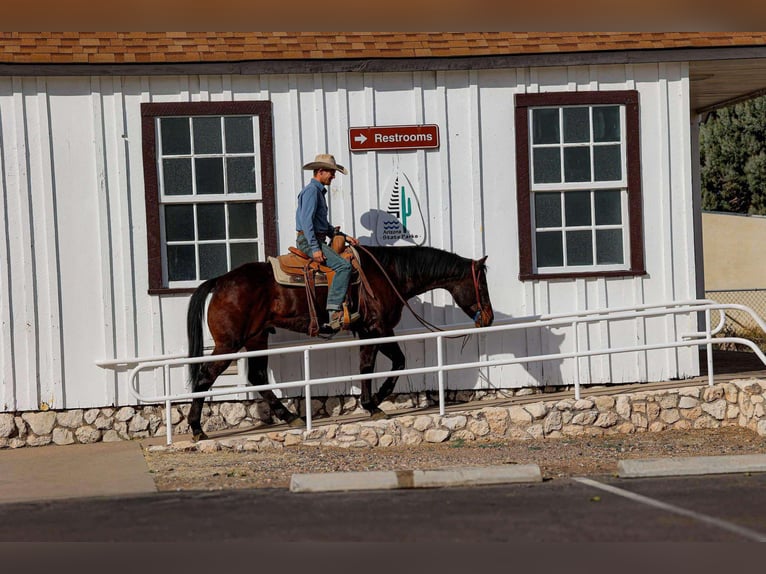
(107, 363)
(553, 320)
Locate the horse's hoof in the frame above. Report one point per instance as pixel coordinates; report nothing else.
(297, 423)
(198, 436)
(379, 415)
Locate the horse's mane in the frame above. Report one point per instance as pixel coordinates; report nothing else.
(423, 262)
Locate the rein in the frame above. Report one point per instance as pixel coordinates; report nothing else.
(430, 326)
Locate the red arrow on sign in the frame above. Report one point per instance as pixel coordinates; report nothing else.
(370, 138)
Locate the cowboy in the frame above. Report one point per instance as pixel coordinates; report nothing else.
(314, 228)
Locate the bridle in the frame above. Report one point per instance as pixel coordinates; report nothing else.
(480, 310)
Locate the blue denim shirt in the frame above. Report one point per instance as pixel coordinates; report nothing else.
(311, 214)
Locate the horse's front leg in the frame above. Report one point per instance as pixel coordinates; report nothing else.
(394, 352)
(367, 356)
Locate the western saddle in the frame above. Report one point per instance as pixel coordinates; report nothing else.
(297, 269)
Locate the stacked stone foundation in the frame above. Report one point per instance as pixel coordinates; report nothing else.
(521, 414)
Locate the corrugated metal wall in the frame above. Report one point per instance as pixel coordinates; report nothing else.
(73, 273)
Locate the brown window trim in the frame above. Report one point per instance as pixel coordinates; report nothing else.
(628, 98)
(149, 112)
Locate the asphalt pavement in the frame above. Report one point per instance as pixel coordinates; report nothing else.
(119, 469)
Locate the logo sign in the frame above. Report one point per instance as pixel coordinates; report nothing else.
(402, 221)
(393, 137)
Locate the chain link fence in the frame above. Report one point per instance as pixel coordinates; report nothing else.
(739, 323)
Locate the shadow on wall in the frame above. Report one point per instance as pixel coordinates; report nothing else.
(531, 341)
(374, 218)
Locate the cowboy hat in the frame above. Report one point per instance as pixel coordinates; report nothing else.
(325, 161)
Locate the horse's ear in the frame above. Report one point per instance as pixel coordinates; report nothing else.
(483, 261)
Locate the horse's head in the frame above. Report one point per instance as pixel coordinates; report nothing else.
(472, 294)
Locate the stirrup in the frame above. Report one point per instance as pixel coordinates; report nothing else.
(339, 320)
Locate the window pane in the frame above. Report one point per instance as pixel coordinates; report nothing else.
(211, 221)
(181, 263)
(175, 136)
(545, 126)
(608, 207)
(606, 123)
(207, 135)
(243, 221)
(179, 223)
(177, 176)
(548, 209)
(547, 165)
(576, 164)
(239, 134)
(209, 175)
(243, 253)
(607, 164)
(240, 174)
(212, 260)
(577, 208)
(579, 248)
(550, 252)
(576, 125)
(609, 246)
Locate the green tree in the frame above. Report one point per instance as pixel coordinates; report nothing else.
(733, 158)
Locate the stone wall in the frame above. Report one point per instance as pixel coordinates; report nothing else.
(524, 414)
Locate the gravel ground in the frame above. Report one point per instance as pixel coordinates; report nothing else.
(556, 458)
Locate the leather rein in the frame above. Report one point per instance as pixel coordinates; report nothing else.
(430, 326)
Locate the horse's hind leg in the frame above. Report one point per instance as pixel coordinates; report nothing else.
(209, 372)
(257, 374)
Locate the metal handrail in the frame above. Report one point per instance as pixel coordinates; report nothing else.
(108, 363)
(572, 319)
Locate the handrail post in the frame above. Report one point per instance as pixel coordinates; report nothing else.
(307, 378)
(576, 326)
(709, 347)
(168, 424)
(440, 372)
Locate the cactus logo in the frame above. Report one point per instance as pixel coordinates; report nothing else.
(401, 221)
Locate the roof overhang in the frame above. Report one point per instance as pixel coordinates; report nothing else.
(718, 75)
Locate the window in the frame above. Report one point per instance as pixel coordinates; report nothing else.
(209, 189)
(578, 184)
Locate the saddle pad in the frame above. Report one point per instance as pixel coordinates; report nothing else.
(293, 280)
(297, 280)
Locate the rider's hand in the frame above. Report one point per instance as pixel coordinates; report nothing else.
(318, 256)
(352, 240)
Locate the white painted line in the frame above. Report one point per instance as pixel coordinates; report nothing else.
(741, 530)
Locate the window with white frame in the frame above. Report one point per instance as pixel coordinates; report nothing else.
(209, 189)
(578, 184)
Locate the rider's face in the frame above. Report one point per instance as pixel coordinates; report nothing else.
(325, 176)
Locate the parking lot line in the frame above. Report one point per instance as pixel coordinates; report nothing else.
(741, 530)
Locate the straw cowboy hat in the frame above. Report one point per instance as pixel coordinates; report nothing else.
(325, 161)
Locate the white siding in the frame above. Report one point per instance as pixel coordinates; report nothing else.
(73, 273)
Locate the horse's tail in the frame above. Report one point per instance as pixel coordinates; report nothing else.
(194, 316)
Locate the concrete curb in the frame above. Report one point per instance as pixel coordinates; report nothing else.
(390, 480)
(691, 466)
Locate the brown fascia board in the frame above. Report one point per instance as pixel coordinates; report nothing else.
(370, 65)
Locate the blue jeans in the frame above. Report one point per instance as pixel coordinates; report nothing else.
(342, 268)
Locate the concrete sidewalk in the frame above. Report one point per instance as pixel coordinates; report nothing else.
(33, 474)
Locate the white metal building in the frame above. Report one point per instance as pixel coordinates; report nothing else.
(125, 183)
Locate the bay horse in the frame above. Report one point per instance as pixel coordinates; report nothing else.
(247, 304)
